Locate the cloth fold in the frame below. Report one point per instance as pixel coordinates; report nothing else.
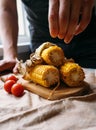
(32, 112)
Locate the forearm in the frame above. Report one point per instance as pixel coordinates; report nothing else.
(9, 32)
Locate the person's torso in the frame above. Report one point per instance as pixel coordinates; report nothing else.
(37, 14)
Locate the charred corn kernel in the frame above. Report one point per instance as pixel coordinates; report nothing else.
(45, 75)
(72, 74)
(53, 55)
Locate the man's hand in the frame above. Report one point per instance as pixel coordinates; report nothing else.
(9, 65)
(69, 17)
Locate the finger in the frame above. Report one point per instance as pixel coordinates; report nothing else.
(53, 17)
(85, 17)
(74, 18)
(15, 69)
(64, 12)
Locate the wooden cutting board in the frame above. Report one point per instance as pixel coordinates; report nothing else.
(62, 91)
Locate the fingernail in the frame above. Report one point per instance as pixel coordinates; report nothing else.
(67, 40)
(61, 36)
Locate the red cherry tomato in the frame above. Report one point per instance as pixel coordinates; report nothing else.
(12, 77)
(17, 89)
(8, 85)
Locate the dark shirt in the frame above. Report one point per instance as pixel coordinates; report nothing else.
(82, 48)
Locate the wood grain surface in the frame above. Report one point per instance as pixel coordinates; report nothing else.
(52, 93)
(62, 91)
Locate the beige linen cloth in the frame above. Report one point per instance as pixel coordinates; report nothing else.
(31, 112)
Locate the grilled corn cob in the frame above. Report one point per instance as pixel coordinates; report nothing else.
(35, 58)
(53, 55)
(45, 75)
(47, 52)
(72, 74)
